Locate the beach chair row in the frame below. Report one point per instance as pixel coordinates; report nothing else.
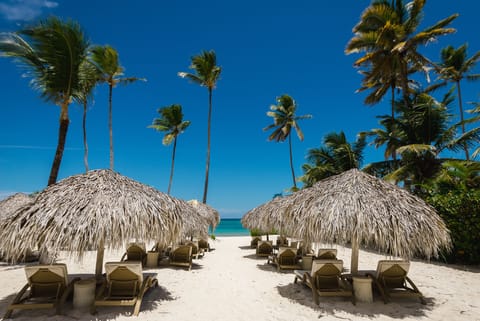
(49, 287)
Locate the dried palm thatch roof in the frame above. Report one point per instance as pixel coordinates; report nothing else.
(14, 202)
(267, 216)
(93, 210)
(357, 208)
(210, 214)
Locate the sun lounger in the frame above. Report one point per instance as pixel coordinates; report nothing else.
(182, 256)
(264, 248)
(391, 280)
(48, 287)
(325, 279)
(135, 252)
(285, 259)
(125, 285)
(282, 241)
(254, 241)
(204, 245)
(196, 250)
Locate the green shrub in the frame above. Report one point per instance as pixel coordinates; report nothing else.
(461, 212)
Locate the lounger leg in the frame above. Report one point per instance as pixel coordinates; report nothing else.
(16, 300)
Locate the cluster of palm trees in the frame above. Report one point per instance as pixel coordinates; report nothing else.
(206, 74)
(64, 68)
(419, 127)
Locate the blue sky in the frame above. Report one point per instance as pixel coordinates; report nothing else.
(265, 48)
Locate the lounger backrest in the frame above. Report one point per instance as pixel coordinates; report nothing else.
(392, 273)
(203, 244)
(326, 273)
(327, 254)
(264, 246)
(294, 244)
(194, 246)
(182, 253)
(47, 280)
(136, 252)
(124, 278)
(287, 256)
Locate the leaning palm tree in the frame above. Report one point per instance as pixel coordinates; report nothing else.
(206, 74)
(454, 67)
(387, 33)
(171, 122)
(52, 52)
(107, 61)
(284, 119)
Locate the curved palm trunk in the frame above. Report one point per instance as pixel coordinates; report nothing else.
(62, 136)
(291, 160)
(85, 145)
(460, 106)
(110, 86)
(205, 189)
(173, 164)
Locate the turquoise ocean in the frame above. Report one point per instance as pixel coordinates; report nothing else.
(230, 227)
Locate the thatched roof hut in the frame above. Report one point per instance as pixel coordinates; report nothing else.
(14, 202)
(210, 214)
(357, 208)
(267, 216)
(93, 210)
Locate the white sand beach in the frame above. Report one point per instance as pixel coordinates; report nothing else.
(230, 283)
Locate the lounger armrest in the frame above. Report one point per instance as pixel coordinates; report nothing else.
(124, 257)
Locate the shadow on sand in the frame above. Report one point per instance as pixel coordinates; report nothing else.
(399, 309)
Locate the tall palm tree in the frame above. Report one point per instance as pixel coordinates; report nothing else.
(335, 156)
(454, 67)
(52, 51)
(387, 34)
(206, 74)
(107, 61)
(171, 122)
(90, 78)
(284, 119)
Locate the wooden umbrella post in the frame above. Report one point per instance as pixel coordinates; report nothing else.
(99, 263)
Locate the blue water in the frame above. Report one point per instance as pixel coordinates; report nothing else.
(230, 227)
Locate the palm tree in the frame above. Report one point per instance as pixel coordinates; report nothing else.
(284, 119)
(52, 51)
(206, 74)
(171, 122)
(90, 78)
(423, 133)
(454, 67)
(107, 61)
(386, 33)
(334, 157)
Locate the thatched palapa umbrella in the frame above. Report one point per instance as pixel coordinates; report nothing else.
(267, 216)
(93, 210)
(357, 208)
(13, 203)
(210, 214)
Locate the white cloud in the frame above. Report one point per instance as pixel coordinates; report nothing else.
(25, 10)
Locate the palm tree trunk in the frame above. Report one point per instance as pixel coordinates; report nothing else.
(62, 136)
(404, 84)
(460, 106)
(394, 153)
(205, 189)
(291, 161)
(85, 144)
(173, 164)
(110, 86)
